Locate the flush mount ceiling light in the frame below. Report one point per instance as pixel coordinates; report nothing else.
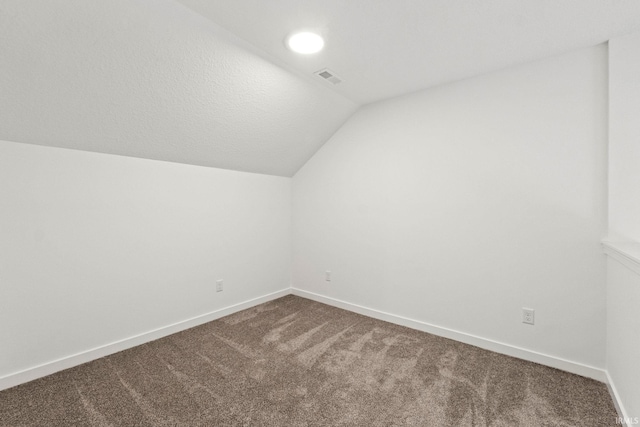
(305, 43)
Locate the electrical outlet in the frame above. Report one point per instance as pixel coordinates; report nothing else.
(327, 276)
(528, 316)
(219, 285)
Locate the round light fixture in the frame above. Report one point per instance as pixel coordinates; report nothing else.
(305, 43)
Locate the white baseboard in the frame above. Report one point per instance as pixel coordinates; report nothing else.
(487, 344)
(622, 413)
(49, 368)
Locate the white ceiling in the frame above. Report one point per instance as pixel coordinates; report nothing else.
(153, 79)
(210, 82)
(384, 48)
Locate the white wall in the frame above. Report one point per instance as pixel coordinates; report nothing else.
(623, 343)
(623, 283)
(97, 248)
(459, 205)
(624, 138)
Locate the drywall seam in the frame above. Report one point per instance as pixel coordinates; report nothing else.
(616, 400)
(487, 344)
(49, 368)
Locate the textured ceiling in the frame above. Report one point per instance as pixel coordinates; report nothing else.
(210, 82)
(384, 48)
(153, 79)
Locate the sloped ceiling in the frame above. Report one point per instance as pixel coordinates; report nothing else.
(153, 79)
(210, 82)
(385, 48)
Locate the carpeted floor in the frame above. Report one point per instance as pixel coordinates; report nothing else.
(295, 362)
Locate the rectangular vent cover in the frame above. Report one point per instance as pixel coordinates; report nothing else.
(329, 76)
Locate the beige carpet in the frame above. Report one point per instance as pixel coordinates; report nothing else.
(295, 362)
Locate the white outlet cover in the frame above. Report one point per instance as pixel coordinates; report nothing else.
(219, 285)
(327, 276)
(528, 316)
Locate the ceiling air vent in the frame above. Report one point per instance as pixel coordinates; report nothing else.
(329, 76)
